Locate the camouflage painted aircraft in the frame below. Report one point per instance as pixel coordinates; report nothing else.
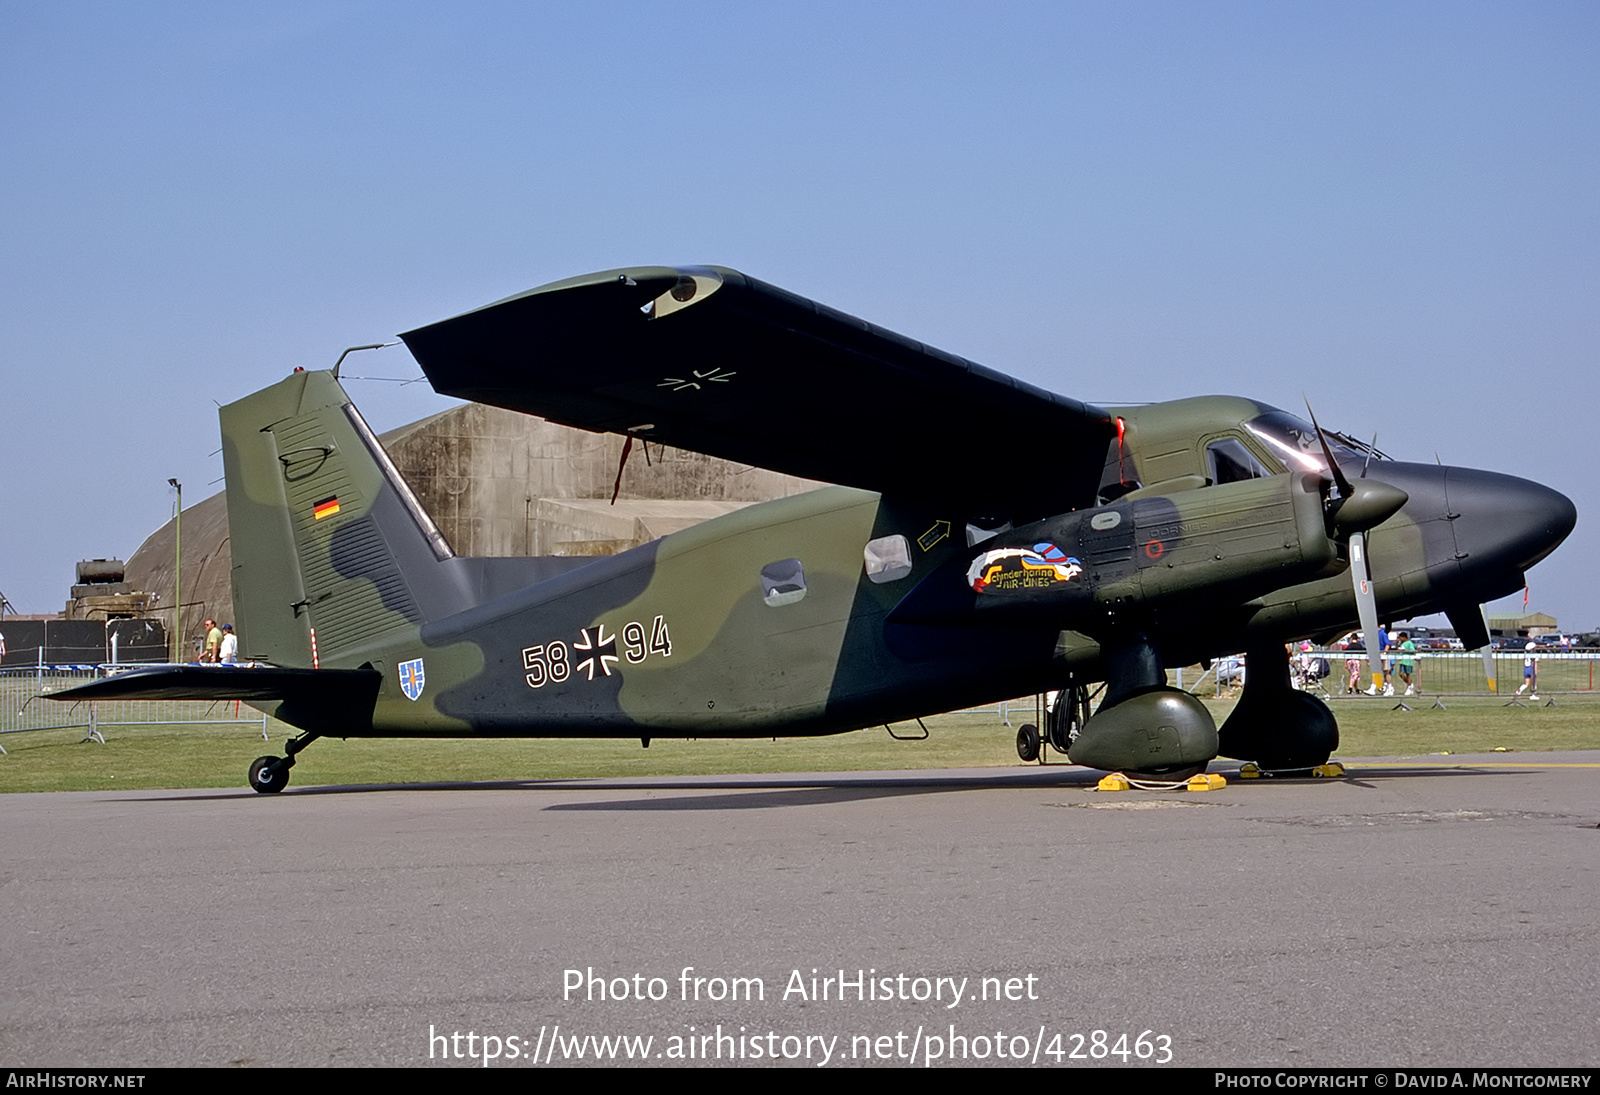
(947, 569)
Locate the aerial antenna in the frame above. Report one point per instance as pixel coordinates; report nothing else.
(627, 447)
(352, 349)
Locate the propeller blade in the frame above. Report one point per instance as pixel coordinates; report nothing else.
(1327, 454)
(1366, 604)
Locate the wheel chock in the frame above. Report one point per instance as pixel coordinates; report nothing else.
(1205, 781)
(1331, 770)
(1116, 781)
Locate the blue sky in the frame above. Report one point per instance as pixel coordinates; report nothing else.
(1391, 208)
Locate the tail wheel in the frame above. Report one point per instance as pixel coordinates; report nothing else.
(269, 775)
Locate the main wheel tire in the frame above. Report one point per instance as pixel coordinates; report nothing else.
(1028, 742)
(265, 779)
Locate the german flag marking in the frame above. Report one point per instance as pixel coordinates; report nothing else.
(325, 508)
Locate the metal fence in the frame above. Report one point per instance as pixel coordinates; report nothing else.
(1442, 673)
(24, 692)
(25, 705)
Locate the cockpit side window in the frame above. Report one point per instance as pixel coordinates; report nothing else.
(1228, 461)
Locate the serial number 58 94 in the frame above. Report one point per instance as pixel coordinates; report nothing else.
(596, 652)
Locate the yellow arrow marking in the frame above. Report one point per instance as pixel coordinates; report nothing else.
(939, 531)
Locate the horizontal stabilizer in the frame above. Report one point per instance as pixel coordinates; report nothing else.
(317, 695)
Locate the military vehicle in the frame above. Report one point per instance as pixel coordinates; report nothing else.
(985, 539)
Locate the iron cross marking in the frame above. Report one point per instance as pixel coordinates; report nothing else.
(603, 647)
(709, 376)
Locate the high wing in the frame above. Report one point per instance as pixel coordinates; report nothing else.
(707, 359)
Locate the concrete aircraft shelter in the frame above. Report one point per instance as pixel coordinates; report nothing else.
(497, 483)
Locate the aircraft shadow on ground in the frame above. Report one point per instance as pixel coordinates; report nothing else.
(758, 792)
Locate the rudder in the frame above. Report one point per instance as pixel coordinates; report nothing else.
(324, 531)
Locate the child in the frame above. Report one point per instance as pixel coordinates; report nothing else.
(1530, 670)
(1404, 665)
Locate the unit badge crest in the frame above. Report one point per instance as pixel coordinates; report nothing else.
(411, 678)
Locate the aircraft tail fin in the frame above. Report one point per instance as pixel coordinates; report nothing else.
(327, 539)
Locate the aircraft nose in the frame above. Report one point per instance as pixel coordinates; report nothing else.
(1506, 521)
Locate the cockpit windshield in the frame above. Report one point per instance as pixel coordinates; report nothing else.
(1295, 444)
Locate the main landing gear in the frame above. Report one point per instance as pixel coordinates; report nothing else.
(1063, 719)
(1282, 731)
(1143, 727)
(269, 775)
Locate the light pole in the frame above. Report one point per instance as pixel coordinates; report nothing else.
(177, 576)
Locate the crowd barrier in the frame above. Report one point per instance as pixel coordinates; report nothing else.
(25, 706)
(1443, 673)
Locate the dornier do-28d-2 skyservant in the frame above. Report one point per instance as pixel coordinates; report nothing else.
(986, 539)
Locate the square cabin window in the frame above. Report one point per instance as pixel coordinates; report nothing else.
(783, 583)
(888, 558)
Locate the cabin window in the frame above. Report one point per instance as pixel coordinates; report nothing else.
(1228, 461)
(977, 532)
(888, 559)
(783, 583)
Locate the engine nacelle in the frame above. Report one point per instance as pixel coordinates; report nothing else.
(1233, 542)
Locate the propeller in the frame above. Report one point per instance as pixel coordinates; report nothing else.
(1357, 507)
